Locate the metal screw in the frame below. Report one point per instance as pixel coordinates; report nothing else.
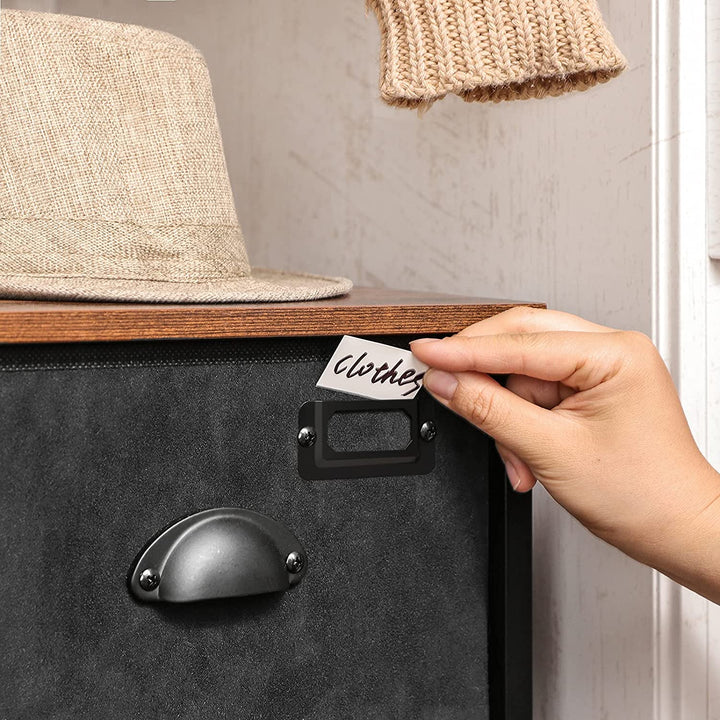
(307, 436)
(428, 431)
(295, 562)
(149, 579)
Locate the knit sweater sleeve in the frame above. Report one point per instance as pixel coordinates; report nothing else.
(491, 49)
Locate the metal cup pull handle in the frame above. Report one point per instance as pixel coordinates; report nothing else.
(218, 553)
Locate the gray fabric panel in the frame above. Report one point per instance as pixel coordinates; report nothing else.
(390, 621)
(369, 431)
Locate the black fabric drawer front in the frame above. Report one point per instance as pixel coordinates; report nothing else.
(103, 445)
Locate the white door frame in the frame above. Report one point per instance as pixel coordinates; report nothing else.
(686, 658)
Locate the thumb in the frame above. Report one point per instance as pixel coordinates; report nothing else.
(519, 475)
(525, 429)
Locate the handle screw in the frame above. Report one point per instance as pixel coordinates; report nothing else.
(149, 579)
(428, 431)
(307, 436)
(295, 562)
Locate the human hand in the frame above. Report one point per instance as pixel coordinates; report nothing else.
(592, 414)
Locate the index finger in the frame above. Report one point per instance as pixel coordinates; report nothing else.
(524, 319)
(580, 360)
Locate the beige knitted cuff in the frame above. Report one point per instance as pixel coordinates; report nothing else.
(491, 49)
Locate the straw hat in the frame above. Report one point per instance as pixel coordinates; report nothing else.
(113, 184)
(491, 49)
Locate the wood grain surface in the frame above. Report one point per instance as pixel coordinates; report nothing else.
(363, 311)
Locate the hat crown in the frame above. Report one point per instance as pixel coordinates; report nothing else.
(111, 160)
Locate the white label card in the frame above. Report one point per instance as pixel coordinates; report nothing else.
(373, 370)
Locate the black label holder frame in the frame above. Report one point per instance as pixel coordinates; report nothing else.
(317, 460)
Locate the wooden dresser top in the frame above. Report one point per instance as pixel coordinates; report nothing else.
(364, 311)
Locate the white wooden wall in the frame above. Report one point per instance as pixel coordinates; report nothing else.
(548, 200)
(713, 125)
(693, 324)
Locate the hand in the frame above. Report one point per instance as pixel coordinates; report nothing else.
(592, 414)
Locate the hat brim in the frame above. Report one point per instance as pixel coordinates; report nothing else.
(260, 286)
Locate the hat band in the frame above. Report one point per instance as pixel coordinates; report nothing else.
(109, 249)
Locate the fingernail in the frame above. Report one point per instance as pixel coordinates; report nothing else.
(420, 341)
(513, 476)
(440, 383)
